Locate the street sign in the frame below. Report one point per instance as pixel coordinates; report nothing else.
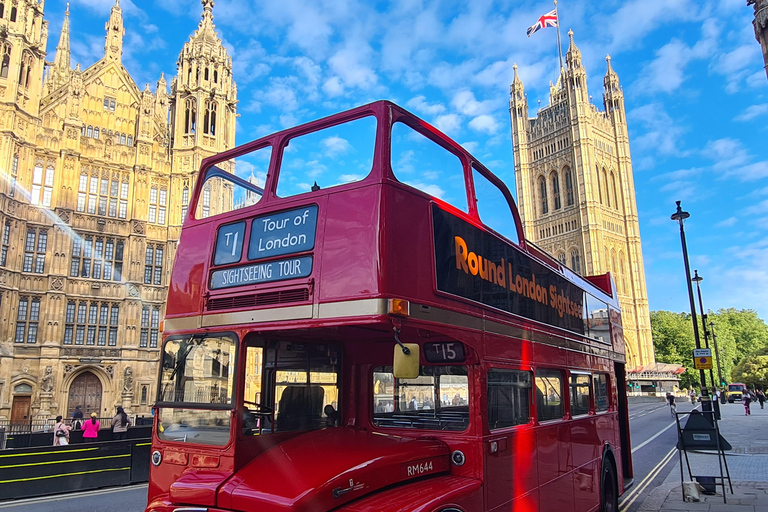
(702, 359)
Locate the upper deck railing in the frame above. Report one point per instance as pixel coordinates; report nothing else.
(338, 210)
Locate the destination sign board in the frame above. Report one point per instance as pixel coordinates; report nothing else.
(279, 270)
(229, 243)
(476, 265)
(283, 233)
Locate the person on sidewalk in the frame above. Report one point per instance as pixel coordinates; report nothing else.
(91, 429)
(60, 432)
(120, 424)
(747, 399)
(761, 398)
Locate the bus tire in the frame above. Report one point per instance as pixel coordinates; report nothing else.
(609, 488)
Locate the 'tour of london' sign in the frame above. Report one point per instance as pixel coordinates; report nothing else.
(274, 234)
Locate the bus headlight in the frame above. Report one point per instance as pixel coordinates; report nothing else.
(458, 458)
(157, 458)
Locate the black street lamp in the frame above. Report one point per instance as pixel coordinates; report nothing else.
(698, 279)
(679, 216)
(717, 353)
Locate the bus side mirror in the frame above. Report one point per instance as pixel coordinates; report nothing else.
(406, 366)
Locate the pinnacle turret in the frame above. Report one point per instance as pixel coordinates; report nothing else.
(113, 47)
(573, 56)
(62, 66)
(611, 80)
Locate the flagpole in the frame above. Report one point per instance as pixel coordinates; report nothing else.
(559, 45)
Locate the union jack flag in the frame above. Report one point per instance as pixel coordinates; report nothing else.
(547, 20)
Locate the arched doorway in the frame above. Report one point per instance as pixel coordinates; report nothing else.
(85, 391)
(20, 410)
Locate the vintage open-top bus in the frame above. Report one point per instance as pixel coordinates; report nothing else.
(295, 294)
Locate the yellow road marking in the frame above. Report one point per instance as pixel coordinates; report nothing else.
(59, 476)
(47, 453)
(64, 461)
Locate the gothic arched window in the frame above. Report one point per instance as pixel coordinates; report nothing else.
(543, 195)
(190, 116)
(184, 203)
(623, 273)
(599, 190)
(605, 184)
(13, 13)
(613, 188)
(215, 76)
(556, 191)
(568, 187)
(561, 258)
(2, 9)
(575, 263)
(209, 119)
(130, 140)
(122, 139)
(90, 131)
(206, 73)
(96, 132)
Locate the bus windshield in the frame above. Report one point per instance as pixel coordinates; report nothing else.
(196, 372)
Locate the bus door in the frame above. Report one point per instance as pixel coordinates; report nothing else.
(510, 455)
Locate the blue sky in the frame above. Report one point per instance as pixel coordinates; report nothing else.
(695, 90)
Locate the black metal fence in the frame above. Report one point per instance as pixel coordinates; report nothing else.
(29, 433)
(36, 472)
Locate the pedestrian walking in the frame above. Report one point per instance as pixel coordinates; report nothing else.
(91, 428)
(747, 399)
(60, 432)
(761, 398)
(77, 418)
(120, 424)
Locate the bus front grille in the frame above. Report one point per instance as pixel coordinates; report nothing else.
(258, 299)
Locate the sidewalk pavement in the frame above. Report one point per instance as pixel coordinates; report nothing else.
(747, 462)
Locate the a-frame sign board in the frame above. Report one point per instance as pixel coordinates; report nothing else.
(701, 432)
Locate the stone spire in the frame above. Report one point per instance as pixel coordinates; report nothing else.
(611, 80)
(113, 47)
(573, 56)
(62, 67)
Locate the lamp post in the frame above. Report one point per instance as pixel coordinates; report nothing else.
(717, 351)
(679, 216)
(698, 279)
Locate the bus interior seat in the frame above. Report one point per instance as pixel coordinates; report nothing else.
(299, 407)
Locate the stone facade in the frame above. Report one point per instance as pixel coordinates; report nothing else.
(575, 189)
(98, 174)
(761, 27)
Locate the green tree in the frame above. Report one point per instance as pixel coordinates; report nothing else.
(752, 371)
(673, 342)
(749, 330)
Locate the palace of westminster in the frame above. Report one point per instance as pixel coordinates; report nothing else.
(97, 176)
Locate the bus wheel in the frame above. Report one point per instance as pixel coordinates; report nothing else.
(609, 491)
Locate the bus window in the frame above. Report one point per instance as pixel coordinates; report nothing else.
(549, 395)
(597, 324)
(303, 387)
(196, 370)
(509, 398)
(600, 381)
(327, 158)
(579, 394)
(427, 166)
(223, 192)
(437, 399)
(493, 208)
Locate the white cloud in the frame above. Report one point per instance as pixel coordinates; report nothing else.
(335, 146)
(752, 112)
(448, 123)
(662, 133)
(465, 103)
(485, 123)
(726, 223)
(429, 188)
(352, 65)
(281, 94)
(332, 87)
(420, 105)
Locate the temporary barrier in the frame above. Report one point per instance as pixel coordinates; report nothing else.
(55, 469)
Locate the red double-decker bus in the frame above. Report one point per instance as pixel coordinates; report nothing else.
(355, 322)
